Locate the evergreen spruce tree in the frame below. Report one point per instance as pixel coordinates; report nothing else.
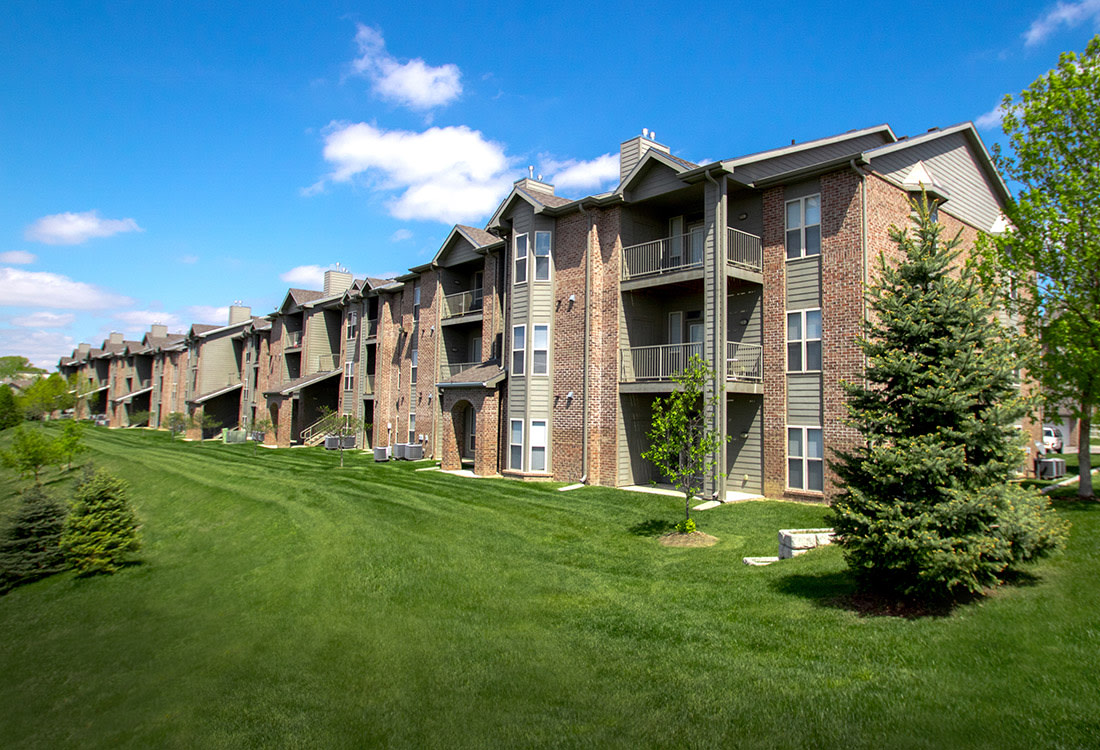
(102, 529)
(927, 509)
(30, 545)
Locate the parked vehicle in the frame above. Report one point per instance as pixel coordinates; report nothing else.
(1052, 439)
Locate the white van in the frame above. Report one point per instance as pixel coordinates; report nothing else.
(1052, 439)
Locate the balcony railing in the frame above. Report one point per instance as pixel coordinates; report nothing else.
(368, 384)
(292, 339)
(744, 250)
(449, 370)
(370, 330)
(678, 253)
(659, 362)
(462, 303)
(744, 362)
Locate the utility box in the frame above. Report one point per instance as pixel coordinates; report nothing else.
(1052, 468)
(382, 453)
(414, 452)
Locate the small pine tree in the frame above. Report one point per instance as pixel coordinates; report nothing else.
(682, 443)
(30, 545)
(102, 529)
(927, 510)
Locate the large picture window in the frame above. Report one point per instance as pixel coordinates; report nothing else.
(805, 459)
(542, 256)
(520, 276)
(804, 227)
(804, 341)
(519, 348)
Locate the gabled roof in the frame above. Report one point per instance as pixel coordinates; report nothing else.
(197, 329)
(478, 237)
(215, 393)
(297, 298)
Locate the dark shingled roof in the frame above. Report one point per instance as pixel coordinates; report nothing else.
(487, 373)
(202, 327)
(545, 199)
(298, 383)
(478, 236)
(302, 296)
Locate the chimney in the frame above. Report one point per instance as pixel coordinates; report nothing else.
(632, 151)
(83, 349)
(114, 338)
(239, 313)
(158, 330)
(337, 281)
(531, 185)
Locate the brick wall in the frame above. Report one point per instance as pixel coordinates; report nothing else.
(775, 342)
(486, 403)
(567, 415)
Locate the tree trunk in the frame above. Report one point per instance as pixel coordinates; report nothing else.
(1084, 454)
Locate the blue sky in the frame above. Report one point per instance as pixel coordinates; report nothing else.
(160, 162)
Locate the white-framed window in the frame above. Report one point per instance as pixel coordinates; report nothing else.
(412, 422)
(416, 299)
(515, 445)
(805, 459)
(804, 227)
(414, 357)
(542, 256)
(519, 348)
(804, 341)
(353, 324)
(538, 445)
(540, 350)
(349, 376)
(520, 276)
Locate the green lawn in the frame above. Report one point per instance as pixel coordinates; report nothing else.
(284, 602)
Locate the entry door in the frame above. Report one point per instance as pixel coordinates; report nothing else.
(475, 349)
(695, 339)
(695, 243)
(676, 242)
(672, 360)
(471, 432)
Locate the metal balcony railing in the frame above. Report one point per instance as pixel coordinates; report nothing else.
(678, 253)
(449, 370)
(744, 250)
(370, 330)
(292, 339)
(660, 362)
(744, 362)
(462, 303)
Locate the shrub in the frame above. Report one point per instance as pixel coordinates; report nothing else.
(102, 529)
(30, 545)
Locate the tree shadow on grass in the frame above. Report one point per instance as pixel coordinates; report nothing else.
(652, 527)
(838, 590)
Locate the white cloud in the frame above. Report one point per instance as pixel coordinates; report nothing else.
(991, 119)
(414, 84)
(401, 235)
(307, 277)
(73, 229)
(42, 348)
(139, 320)
(208, 314)
(44, 319)
(449, 174)
(603, 171)
(18, 257)
(1063, 14)
(41, 289)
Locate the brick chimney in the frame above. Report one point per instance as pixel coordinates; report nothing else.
(632, 151)
(337, 281)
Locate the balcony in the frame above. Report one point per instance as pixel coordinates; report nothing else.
(292, 339)
(370, 330)
(325, 362)
(462, 303)
(660, 362)
(744, 250)
(449, 370)
(744, 362)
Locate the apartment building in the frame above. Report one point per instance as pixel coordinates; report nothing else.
(535, 347)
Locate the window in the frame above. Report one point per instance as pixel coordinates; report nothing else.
(538, 445)
(349, 376)
(540, 346)
(412, 422)
(515, 442)
(542, 256)
(415, 357)
(521, 259)
(805, 459)
(804, 227)
(519, 346)
(479, 291)
(353, 324)
(804, 341)
(416, 300)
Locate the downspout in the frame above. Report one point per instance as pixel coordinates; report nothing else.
(584, 359)
(720, 356)
(866, 249)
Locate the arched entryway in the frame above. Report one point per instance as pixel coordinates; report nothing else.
(464, 418)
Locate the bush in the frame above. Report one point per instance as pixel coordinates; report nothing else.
(30, 545)
(102, 529)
